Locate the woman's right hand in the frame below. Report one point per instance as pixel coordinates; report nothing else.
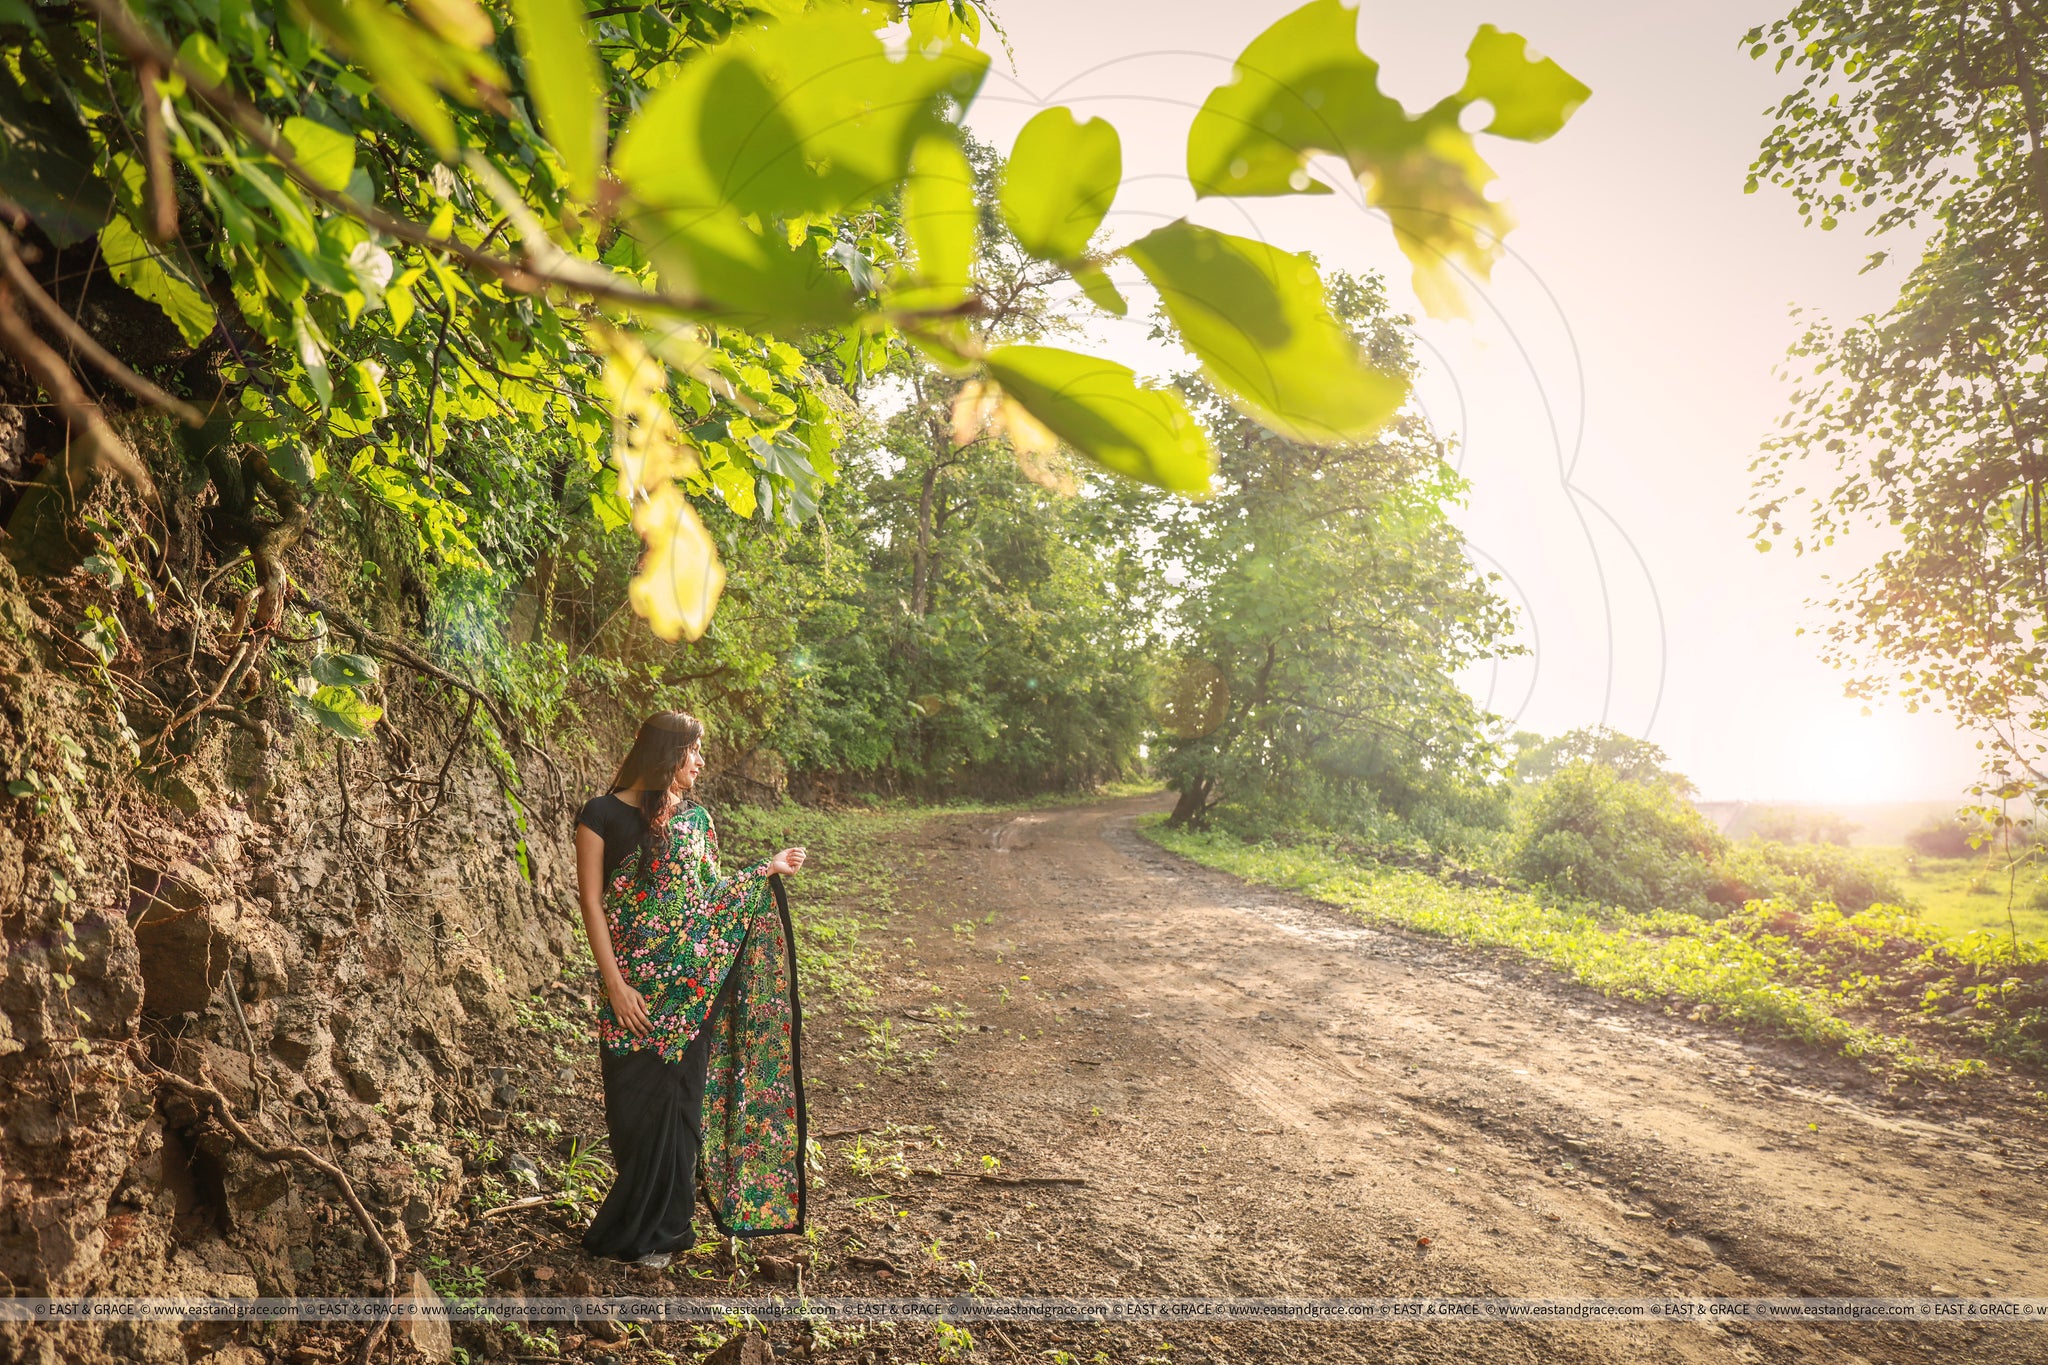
(628, 1006)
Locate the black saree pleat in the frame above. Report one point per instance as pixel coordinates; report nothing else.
(653, 1109)
(646, 1100)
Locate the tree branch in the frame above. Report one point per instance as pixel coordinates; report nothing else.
(529, 276)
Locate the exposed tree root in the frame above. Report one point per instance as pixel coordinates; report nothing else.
(289, 1152)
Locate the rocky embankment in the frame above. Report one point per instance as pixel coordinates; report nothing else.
(294, 927)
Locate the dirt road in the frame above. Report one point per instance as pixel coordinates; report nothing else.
(1269, 1098)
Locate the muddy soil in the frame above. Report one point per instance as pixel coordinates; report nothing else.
(1254, 1094)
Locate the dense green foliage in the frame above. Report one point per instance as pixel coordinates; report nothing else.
(1634, 760)
(1599, 817)
(1920, 428)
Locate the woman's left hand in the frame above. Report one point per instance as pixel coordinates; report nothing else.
(787, 861)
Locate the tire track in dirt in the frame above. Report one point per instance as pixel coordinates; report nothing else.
(1286, 1101)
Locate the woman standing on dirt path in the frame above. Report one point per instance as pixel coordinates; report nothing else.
(699, 1034)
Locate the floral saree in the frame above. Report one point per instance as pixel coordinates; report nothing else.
(687, 939)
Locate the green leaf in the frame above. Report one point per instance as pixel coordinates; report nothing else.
(1303, 89)
(1300, 88)
(1096, 406)
(806, 116)
(136, 266)
(327, 154)
(940, 216)
(313, 355)
(294, 218)
(748, 279)
(200, 52)
(1060, 182)
(568, 88)
(1531, 99)
(735, 487)
(295, 462)
(1100, 289)
(46, 163)
(938, 21)
(344, 670)
(611, 510)
(400, 56)
(339, 709)
(1256, 318)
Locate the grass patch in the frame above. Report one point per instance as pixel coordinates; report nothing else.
(1877, 985)
(1960, 896)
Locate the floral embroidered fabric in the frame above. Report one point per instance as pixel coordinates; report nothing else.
(676, 931)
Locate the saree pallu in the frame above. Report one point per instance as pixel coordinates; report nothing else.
(688, 939)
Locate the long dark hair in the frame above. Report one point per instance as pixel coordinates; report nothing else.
(652, 763)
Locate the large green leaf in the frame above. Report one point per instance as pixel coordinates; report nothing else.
(1096, 406)
(344, 670)
(567, 86)
(806, 116)
(412, 64)
(339, 709)
(327, 154)
(46, 163)
(403, 70)
(140, 268)
(1530, 99)
(940, 216)
(1303, 89)
(746, 278)
(1256, 318)
(1062, 176)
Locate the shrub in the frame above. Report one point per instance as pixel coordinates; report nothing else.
(1588, 833)
(1806, 874)
(1939, 838)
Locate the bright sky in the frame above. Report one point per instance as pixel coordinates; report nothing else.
(1615, 382)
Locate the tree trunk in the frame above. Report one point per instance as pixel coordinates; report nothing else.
(1192, 810)
(920, 583)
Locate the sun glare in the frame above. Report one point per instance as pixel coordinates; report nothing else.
(1845, 756)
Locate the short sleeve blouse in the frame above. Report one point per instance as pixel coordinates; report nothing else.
(618, 822)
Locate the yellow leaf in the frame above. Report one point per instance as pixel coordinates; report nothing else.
(973, 408)
(680, 577)
(462, 22)
(1028, 435)
(647, 446)
(1049, 470)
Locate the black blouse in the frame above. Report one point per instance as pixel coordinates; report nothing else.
(619, 822)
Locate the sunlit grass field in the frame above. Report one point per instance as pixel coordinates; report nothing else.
(1958, 895)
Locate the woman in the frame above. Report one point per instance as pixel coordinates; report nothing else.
(700, 1028)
